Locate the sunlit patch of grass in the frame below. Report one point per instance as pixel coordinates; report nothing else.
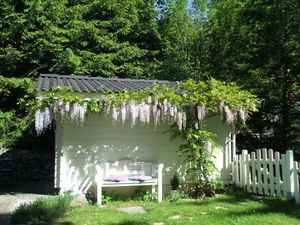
(224, 209)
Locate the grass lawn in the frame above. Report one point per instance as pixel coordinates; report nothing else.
(224, 209)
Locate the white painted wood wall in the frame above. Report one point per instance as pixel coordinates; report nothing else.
(79, 148)
(268, 173)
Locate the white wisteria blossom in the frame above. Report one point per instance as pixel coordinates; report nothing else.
(67, 107)
(243, 114)
(179, 120)
(184, 120)
(149, 100)
(157, 117)
(207, 146)
(134, 114)
(201, 112)
(229, 114)
(123, 113)
(75, 109)
(115, 114)
(47, 118)
(39, 121)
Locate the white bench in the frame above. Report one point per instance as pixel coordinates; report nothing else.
(129, 168)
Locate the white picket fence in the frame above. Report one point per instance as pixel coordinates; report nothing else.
(268, 173)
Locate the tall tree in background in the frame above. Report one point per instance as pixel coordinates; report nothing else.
(97, 38)
(256, 43)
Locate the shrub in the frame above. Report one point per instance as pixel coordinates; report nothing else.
(42, 211)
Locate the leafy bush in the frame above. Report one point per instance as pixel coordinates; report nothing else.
(142, 194)
(42, 211)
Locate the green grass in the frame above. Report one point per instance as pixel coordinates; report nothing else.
(42, 211)
(224, 209)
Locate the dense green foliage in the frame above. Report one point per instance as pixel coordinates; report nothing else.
(98, 38)
(257, 44)
(254, 43)
(16, 94)
(42, 211)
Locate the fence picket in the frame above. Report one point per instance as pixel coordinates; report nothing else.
(284, 172)
(236, 163)
(296, 180)
(268, 172)
(248, 174)
(265, 171)
(277, 178)
(258, 168)
(254, 177)
(271, 171)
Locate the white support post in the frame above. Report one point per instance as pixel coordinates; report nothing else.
(159, 182)
(290, 173)
(99, 181)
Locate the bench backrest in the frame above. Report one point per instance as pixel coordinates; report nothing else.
(129, 167)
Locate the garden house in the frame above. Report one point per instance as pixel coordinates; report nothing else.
(86, 139)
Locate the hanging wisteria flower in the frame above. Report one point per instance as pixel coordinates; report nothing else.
(147, 113)
(157, 118)
(184, 120)
(74, 113)
(47, 118)
(229, 114)
(196, 125)
(67, 107)
(165, 107)
(156, 101)
(60, 103)
(144, 112)
(39, 121)
(207, 146)
(149, 100)
(201, 112)
(179, 120)
(221, 106)
(115, 114)
(82, 112)
(123, 113)
(243, 114)
(55, 106)
(134, 114)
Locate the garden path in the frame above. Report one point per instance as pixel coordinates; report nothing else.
(10, 201)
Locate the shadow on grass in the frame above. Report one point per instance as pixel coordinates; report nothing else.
(267, 204)
(271, 205)
(130, 222)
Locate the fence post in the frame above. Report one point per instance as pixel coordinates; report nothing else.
(244, 169)
(290, 174)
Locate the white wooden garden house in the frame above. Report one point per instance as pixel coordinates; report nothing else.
(80, 148)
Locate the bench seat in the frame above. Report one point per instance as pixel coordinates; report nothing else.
(129, 167)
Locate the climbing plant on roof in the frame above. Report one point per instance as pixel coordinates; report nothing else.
(183, 107)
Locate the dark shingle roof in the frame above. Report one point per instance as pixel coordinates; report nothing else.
(94, 84)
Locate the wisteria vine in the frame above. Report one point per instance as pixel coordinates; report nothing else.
(187, 104)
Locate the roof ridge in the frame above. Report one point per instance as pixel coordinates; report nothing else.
(104, 78)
